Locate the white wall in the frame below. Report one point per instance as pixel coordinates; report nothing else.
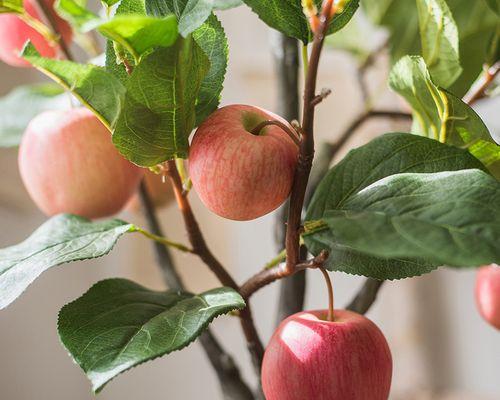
(439, 343)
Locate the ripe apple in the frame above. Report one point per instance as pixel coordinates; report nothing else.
(237, 174)
(14, 33)
(69, 165)
(488, 294)
(160, 192)
(309, 357)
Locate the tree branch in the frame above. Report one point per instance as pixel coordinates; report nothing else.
(201, 249)
(478, 91)
(367, 295)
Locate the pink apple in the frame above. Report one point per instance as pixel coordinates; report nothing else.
(14, 33)
(488, 294)
(309, 358)
(237, 174)
(69, 165)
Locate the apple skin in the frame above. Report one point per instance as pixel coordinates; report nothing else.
(488, 294)
(68, 164)
(311, 358)
(239, 175)
(14, 33)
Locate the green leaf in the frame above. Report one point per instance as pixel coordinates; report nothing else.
(211, 38)
(109, 3)
(77, 15)
(11, 6)
(448, 218)
(32, 99)
(159, 109)
(119, 324)
(474, 19)
(288, 17)
(97, 89)
(494, 5)
(139, 34)
(190, 13)
(63, 238)
(439, 37)
(440, 115)
(226, 4)
(386, 155)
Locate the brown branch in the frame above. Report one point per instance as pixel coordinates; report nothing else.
(306, 153)
(232, 385)
(288, 131)
(201, 249)
(49, 17)
(367, 295)
(478, 91)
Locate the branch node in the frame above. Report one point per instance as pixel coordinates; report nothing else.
(325, 92)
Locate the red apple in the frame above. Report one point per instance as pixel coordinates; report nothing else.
(310, 358)
(488, 294)
(237, 174)
(14, 33)
(160, 192)
(69, 165)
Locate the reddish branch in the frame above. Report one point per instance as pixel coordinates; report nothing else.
(201, 249)
(478, 91)
(293, 135)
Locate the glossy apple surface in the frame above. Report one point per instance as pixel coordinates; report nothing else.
(69, 165)
(239, 175)
(488, 294)
(311, 358)
(14, 33)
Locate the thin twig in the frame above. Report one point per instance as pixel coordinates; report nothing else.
(478, 91)
(51, 21)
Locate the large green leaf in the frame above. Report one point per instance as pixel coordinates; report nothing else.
(439, 37)
(191, 13)
(211, 38)
(11, 6)
(139, 34)
(448, 218)
(288, 17)
(32, 99)
(61, 239)
(494, 5)
(386, 155)
(97, 89)
(475, 21)
(159, 109)
(227, 4)
(77, 15)
(119, 324)
(440, 115)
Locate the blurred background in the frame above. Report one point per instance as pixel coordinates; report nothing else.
(441, 347)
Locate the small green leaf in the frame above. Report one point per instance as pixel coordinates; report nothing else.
(93, 86)
(77, 15)
(11, 6)
(386, 155)
(288, 17)
(190, 13)
(119, 324)
(159, 111)
(211, 38)
(62, 239)
(440, 115)
(447, 218)
(139, 34)
(32, 99)
(110, 3)
(226, 4)
(439, 37)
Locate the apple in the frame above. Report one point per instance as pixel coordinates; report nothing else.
(14, 33)
(160, 192)
(69, 164)
(488, 294)
(309, 357)
(237, 174)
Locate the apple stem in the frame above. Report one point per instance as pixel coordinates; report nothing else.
(329, 285)
(293, 135)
